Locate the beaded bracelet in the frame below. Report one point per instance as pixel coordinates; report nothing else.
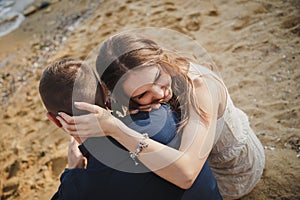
(139, 148)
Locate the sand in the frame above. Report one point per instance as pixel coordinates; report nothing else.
(255, 45)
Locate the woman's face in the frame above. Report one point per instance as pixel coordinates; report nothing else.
(148, 85)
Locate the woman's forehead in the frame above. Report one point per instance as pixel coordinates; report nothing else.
(140, 77)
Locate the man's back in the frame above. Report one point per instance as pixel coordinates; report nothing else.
(109, 184)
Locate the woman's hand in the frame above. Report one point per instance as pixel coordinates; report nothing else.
(146, 108)
(99, 122)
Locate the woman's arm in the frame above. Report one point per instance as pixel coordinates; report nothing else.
(181, 167)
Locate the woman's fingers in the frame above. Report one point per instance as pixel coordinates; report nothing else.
(81, 119)
(156, 106)
(67, 118)
(133, 112)
(78, 131)
(67, 127)
(88, 107)
(78, 122)
(146, 108)
(82, 134)
(85, 125)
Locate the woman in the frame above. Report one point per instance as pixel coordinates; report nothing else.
(140, 76)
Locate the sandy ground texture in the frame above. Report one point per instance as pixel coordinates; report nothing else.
(255, 45)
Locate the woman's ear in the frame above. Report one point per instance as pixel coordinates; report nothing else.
(53, 119)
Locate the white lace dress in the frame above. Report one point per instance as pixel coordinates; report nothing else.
(237, 157)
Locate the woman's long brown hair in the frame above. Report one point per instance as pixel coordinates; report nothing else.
(124, 52)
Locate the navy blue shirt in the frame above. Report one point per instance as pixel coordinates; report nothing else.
(112, 175)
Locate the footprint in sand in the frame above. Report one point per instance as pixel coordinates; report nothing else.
(240, 23)
(13, 169)
(57, 165)
(10, 188)
(193, 21)
(293, 142)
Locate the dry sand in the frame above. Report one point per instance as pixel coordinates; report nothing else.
(254, 43)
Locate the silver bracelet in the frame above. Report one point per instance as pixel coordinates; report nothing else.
(139, 148)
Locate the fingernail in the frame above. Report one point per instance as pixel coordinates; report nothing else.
(135, 111)
(76, 103)
(59, 113)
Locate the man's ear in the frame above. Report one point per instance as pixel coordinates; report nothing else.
(53, 119)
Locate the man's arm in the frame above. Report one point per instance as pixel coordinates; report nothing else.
(76, 163)
(75, 157)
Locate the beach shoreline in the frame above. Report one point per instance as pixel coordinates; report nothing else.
(32, 46)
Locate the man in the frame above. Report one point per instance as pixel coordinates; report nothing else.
(109, 173)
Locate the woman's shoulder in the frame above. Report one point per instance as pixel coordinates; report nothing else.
(208, 82)
(196, 69)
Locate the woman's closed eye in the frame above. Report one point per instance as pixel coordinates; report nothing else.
(140, 95)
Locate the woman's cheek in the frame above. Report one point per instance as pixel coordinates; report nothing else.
(144, 101)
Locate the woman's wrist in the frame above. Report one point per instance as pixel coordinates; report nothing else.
(125, 135)
(115, 127)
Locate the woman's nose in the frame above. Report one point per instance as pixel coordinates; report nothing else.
(158, 92)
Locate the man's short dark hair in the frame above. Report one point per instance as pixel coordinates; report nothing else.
(66, 81)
